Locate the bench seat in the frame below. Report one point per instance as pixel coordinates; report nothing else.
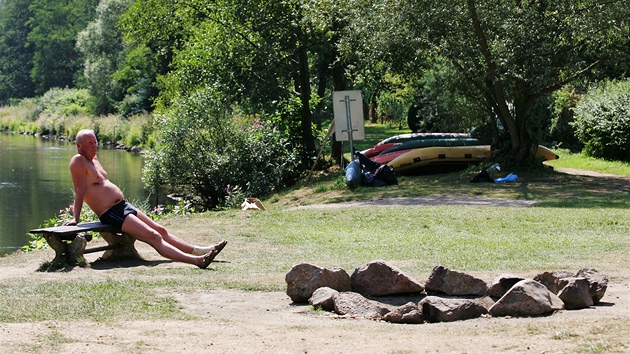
(119, 245)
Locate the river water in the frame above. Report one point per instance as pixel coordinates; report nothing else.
(35, 182)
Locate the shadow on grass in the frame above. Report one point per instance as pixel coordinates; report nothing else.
(104, 264)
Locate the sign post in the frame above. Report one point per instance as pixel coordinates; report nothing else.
(348, 111)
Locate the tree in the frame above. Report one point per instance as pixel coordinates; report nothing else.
(514, 53)
(101, 45)
(15, 55)
(55, 25)
(509, 54)
(258, 54)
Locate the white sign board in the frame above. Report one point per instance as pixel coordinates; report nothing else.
(348, 110)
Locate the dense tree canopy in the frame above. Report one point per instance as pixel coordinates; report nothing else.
(101, 44)
(468, 62)
(15, 56)
(513, 53)
(54, 28)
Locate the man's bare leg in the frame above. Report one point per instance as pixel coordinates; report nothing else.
(176, 241)
(135, 227)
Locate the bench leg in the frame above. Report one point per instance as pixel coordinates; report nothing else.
(66, 253)
(75, 249)
(126, 247)
(60, 247)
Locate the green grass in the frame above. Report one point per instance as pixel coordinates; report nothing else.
(573, 222)
(581, 161)
(102, 301)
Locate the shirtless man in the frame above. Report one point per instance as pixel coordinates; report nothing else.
(106, 200)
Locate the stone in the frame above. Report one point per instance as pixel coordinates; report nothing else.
(303, 279)
(324, 298)
(553, 280)
(527, 298)
(449, 282)
(576, 294)
(598, 282)
(449, 309)
(408, 313)
(501, 284)
(356, 305)
(378, 278)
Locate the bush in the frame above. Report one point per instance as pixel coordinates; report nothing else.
(561, 131)
(201, 151)
(602, 121)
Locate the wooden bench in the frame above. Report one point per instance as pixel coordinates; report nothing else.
(69, 242)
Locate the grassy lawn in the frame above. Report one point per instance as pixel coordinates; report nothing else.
(573, 222)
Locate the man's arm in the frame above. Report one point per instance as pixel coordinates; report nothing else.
(79, 179)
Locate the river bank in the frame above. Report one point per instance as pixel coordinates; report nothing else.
(107, 144)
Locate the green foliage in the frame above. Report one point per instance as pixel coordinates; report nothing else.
(54, 28)
(56, 108)
(101, 45)
(137, 76)
(201, 150)
(602, 121)
(15, 56)
(390, 108)
(507, 55)
(561, 133)
(63, 112)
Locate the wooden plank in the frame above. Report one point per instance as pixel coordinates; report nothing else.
(103, 248)
(96, 226)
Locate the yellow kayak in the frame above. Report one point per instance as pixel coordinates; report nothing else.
(451, 155)
(440, 156)
(546, 153)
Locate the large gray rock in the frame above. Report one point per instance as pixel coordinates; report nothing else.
(408, 313)
(527, 298)
(449, 309)
(378, 278)
(576, 294)
(355, 304)
(449, 282)
(324, 298)
(303, 279)
(598, 282)
(501, 284)
(553, 280)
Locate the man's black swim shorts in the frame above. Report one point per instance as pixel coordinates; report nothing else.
(116, 215)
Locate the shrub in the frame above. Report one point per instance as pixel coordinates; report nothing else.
(65, 101)
(602, 121)
(201, 151)
(138, 129)
(109, 128)
(561, 132)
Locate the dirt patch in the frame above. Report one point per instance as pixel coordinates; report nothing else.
(427, 200)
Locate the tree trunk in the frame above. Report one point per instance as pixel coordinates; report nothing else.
(338, 85)
(372, 114)
(305, 97)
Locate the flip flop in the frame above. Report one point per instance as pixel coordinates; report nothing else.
(220, 246)
(208, 258)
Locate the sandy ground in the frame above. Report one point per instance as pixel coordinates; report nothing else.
(231, 321)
